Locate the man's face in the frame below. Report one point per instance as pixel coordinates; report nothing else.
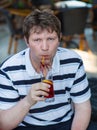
(43, 43)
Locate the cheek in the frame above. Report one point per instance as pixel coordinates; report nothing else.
(55, 46)
(54, 49)
(31, 45)
(34, 49)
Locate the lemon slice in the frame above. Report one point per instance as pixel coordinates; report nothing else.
(47, 81)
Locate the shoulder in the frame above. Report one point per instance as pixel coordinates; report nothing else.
(65, 53)
(14, 60)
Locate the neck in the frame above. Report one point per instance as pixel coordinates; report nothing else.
(35, 64)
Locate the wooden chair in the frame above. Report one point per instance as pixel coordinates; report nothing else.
(15, 33)
(93, 15)
(73, 22)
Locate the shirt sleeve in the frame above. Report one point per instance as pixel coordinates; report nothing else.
(8, 94)
(80, 91)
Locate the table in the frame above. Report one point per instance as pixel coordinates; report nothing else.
(19, 12)
(72, 4)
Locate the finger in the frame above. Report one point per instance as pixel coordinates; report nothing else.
(41, 93)
(42, 86)
(42, 98)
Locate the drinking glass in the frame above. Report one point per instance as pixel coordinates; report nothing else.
(49, 80)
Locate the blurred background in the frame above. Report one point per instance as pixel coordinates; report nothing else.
(79, 31)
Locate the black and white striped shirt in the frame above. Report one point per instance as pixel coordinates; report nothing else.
(17, 75)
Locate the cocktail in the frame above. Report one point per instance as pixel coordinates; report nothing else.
(49, 80)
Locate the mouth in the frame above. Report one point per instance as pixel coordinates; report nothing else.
(45, 59)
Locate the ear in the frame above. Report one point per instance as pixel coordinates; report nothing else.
(60, 36)
(25, 39)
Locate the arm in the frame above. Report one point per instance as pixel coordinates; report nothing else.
(82, 116)
(10, 118)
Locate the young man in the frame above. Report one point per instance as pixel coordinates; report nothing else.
(22, 94)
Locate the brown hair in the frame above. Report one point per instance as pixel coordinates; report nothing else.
(44, 19)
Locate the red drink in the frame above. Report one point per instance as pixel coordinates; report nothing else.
(50, 97)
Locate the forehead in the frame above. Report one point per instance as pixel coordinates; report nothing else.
(39, 30)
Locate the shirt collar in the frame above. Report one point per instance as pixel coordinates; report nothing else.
(56, 63)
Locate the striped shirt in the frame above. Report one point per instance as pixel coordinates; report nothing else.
(17, 75)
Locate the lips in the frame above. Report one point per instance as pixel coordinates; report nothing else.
(45, 60)
(46, 57)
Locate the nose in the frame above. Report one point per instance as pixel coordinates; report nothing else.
(44, 45)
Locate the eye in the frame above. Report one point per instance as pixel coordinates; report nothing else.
(51, 39)
(36, 40)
